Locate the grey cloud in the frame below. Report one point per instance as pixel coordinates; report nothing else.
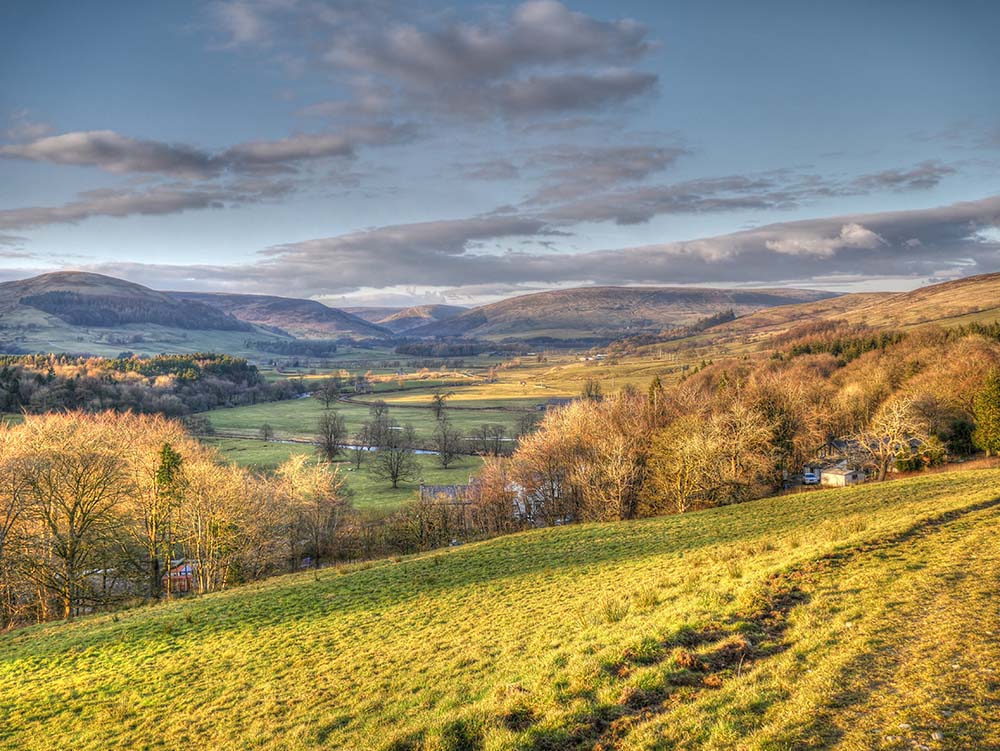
(121, 154)
(23, 127)
(158, 200)
(576, 171)
(448, 254)
(115, 153)
(536, 58)
(407, 255)
(113, 203)
(496, 169)
(538, 32)
(369, 101)
(589, 193)
(920, 177)
(282, 155)
(640, 204)
(569, 92)
(12, 241)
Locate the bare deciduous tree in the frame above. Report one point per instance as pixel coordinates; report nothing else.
(447, 442)
(395, 459)
(894, 430)
(331, 435)
(327, 391)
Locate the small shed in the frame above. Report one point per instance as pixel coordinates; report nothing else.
(180, 577)
(839, 478)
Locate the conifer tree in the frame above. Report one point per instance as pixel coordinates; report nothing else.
(987, 412)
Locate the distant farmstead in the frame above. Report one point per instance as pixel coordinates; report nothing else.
(839, 478)
(555, 402)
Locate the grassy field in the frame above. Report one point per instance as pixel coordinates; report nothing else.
(367, 491)
(853, 619)
(298, 418)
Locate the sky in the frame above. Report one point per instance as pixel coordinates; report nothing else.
(385, 152)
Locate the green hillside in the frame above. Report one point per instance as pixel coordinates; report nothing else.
(854, 619)
(84, 313)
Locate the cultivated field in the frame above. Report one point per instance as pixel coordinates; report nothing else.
(853, 619)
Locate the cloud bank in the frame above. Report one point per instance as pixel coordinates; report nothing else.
(457, 255)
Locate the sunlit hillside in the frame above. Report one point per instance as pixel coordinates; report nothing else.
(857, 618)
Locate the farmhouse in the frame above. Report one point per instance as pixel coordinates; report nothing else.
(841, 477)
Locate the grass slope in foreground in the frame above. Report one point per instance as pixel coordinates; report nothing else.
(855, 619)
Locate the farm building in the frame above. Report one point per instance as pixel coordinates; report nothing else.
(555, 403)
(841, 477)
(180, 578)
(448, 493)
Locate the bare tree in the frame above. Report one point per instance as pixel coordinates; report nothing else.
(314, 495)
(438, 399)
(266, 432)
(13, 503)
(331, 435)
(592, 389)
(447, 443)
(490, 438)
(395, 459)
(328, 391)
(377, 429)
(76, 485)
(361, 444)
(527, 424)
(895, 430)
(685, 464)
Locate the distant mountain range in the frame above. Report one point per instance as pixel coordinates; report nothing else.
(84, 312)
(607, 311)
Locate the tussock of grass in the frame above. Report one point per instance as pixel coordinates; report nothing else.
(855, 612)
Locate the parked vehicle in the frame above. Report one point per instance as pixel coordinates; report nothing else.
(810, 478)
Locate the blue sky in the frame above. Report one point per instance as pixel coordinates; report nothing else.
(389, 152)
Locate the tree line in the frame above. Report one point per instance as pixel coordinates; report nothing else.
(741, 429)
(165, 384)
(96, 509)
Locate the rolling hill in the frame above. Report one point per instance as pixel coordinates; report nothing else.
(420, 315)
(974, 298)
(303, 319)
(372, 315)
(608, 311)
(81, 312)
(844, 618)
(84, 299)
(399, 320)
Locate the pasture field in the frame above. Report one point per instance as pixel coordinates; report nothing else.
(298, 418)
(852, 618)
(367, 491)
